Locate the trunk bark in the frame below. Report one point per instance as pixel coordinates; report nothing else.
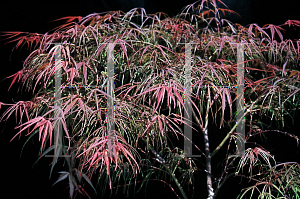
(210, 189)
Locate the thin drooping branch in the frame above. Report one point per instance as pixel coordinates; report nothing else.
(162, 161)
(232, 130)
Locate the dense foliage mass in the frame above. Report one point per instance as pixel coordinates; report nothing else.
(149, 59)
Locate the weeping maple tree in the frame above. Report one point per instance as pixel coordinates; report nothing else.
(149, 96)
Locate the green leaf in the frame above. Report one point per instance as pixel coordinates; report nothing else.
(28, 140)
(45, 152)
(87, 179)
(63, 175)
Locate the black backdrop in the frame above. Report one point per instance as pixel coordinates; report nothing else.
(17, 178)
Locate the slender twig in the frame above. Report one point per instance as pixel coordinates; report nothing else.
(231, 131)
(170, 173)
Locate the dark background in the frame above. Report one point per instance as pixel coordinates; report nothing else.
(17, 178)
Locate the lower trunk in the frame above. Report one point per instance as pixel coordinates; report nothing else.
(210, 189)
